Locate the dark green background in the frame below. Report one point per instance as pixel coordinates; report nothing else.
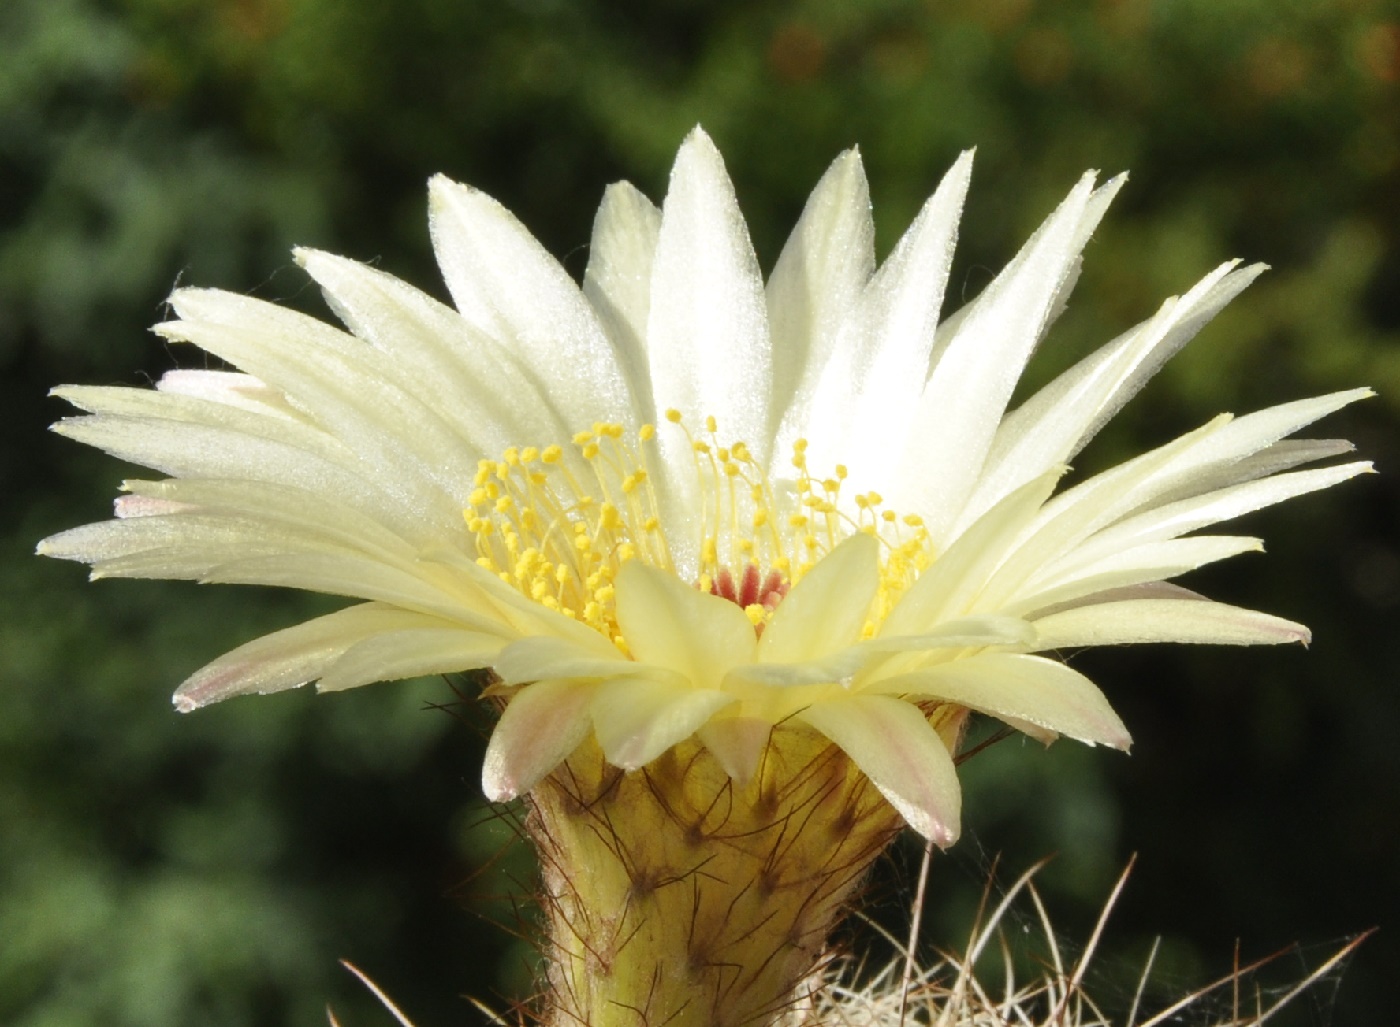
(166, 870)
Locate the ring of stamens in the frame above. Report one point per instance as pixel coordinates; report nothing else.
(558, 526)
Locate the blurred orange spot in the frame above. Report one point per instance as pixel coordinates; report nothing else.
(796, 52)
(1378, 52)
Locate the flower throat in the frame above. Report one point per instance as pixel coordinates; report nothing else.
(557, 525)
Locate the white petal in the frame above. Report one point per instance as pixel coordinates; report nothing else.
(673, 625)
(617, 282)
(542, 724)
(1164, 620)
(637, 720)
(868, 390)
(1023, 688)
(506, 285)
(975, 375)
(707, 333)
(827, 609)
(817, 281)
(893, 744)
(1053, 425)
(477, 384)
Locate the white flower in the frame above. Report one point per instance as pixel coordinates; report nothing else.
(677, 502)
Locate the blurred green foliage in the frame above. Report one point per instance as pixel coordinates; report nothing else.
(162, 870)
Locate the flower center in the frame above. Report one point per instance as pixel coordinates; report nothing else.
(557, 525)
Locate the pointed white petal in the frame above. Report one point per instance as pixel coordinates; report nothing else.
(1023, 688)
(540, 727)
(1164, 620)
(975, 375)
(617, 282)
(479, 386)
(707, 333)
(817, 281)
(637, 720)
(676, 626)
(893, 744)
(1054, 424)
(506, 285)
(827, 609)
(868, 390)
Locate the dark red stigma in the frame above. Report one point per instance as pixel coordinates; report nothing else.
(751, 588)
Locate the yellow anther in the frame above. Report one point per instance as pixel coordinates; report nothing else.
(913, 520)
(673, 415)
(582, 437)
(529, 455)
(552, 454)
(731, 469)
(590, 450)
(711, 425)
(650, 525)
(760, 517)
(648, 432)
(889, 516)
(841, 471)
(504, 504)
(723, 454)
(757, 613)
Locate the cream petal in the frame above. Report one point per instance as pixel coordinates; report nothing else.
(1153, 561)
(956, 578)
(506, 285)
(1022, 688)
(301, 654)
(617, 282)
(228, 388)
(893, 744)
(636, 720)
(541, 725)
(845, 665)
(1198, 512)
(410, 653)
(673, 625)
(707, 332)
(827, 609)
(737, 744)
(545, 656)
(1164, 620)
